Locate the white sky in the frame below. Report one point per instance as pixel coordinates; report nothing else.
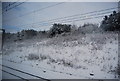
(13, 20)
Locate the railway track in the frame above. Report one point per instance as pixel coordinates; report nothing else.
(19, 77)
(50, 69)
(20, 74)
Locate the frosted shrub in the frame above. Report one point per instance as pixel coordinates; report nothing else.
(33, 57)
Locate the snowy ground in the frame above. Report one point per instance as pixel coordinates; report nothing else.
(90, 56)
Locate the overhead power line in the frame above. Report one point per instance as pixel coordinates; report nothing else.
(87, 13)
(7, 9)
(40, 25)
(34, 11)
(75, 19)
(73, 16)
(84, 16)
(9, 5)
(68, 20)
(20, 3)
(95, 13)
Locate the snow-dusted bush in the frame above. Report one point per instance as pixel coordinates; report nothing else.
(111, 22)
(43, 57)
(68, 63)
(33, 56)
(40, 57)
(59, 28)
(89, 28)
(27, 33)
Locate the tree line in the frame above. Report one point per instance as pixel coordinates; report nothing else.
(109, 23)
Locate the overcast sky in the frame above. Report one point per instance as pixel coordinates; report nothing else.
(20, 17)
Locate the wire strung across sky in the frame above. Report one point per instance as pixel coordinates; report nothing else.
(7, 9)
(14, 6)
(42, 24)
(26, 14)
(77, 16)
(87, 13)
(9, 5)
(70, 20)
(80, 17)
(34, 11)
